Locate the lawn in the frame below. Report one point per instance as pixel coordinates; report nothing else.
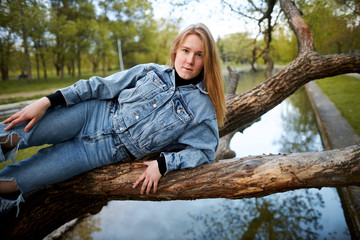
(25, 86)
(344, 92)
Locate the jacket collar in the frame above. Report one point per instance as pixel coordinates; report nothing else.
(200, 85)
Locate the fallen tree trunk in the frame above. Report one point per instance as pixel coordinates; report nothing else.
(47, 209)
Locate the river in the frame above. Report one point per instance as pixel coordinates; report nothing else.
(299, 214)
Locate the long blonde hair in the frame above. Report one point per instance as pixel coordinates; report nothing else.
(213, 81)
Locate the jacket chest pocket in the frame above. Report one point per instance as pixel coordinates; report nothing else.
(167, 127)
(150, 86)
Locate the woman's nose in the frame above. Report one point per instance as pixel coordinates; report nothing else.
(190, 59)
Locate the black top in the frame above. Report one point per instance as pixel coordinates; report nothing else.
(57, 99)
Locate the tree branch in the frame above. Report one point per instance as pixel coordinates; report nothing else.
(244, 108)
(298, 25)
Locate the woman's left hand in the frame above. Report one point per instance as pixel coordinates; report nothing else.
(150, 176)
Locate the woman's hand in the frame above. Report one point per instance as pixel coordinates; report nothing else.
(33, 113)
(150, 176)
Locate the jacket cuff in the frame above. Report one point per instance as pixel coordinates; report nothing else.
(56, 99)
(162, 164)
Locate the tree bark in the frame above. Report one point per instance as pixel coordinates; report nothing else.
(49, 208)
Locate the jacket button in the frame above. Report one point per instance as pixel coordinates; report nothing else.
(121, 128)
(154, 104)
(136, 116)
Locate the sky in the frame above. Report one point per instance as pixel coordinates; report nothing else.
(217, 17)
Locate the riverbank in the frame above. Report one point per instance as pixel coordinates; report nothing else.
(336, 132)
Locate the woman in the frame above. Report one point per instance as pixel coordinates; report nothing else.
(148, 108)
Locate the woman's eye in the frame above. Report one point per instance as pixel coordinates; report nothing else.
(199, 54)
(185, 50)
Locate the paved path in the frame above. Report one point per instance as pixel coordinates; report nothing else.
(27, 94)
(8, 109)
(336, 132)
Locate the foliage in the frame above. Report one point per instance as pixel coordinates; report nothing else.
(343, 91)
(235, 48)
(283, 45)
(67, 35)
(53, 82)
(335, 27)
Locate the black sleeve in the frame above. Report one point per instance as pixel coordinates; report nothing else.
(162, 164)
(56, 99)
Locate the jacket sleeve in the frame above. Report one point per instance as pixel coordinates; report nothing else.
(202, 142)
(102, 88)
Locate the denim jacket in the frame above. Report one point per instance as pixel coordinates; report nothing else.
(152, 115)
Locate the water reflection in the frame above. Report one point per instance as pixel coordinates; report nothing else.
(300, 132)
(84, 229)
(280, 216)
(300, 214)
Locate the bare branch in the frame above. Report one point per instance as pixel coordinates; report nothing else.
(237, 11)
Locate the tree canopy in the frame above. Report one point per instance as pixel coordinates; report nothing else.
(68, 34)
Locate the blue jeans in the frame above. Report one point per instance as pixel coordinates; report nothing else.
(82, 138)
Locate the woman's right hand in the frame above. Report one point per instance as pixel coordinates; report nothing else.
(33, 113)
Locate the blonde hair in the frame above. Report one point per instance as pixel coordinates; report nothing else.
(213, 81)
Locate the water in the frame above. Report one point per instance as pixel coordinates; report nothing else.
(299, 214)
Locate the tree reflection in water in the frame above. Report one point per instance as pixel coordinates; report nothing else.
(290, 215)
(84, 229)
(300, 132)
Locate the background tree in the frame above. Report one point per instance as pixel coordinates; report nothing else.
(84, 30)
(283, 46)
(260, 11)
(235, 48)
(125, 20)
(38, 36)
(164, 36)
(336, 26)
(7, 38)
(22, 23)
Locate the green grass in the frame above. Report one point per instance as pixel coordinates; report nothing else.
(344, 92)
(52, 82)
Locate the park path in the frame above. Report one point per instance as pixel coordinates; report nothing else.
(27, 94)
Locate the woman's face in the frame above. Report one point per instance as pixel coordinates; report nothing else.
(189, 60)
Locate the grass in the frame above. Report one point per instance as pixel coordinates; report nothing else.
(52, 82)
(344, 92)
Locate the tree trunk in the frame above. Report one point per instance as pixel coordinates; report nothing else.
(42, 56)
(47, 209)
(24, 32)
(78, 59)
(27, 54)
(270, 66)
(4, 55)
(37, 61)
(104, 62)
